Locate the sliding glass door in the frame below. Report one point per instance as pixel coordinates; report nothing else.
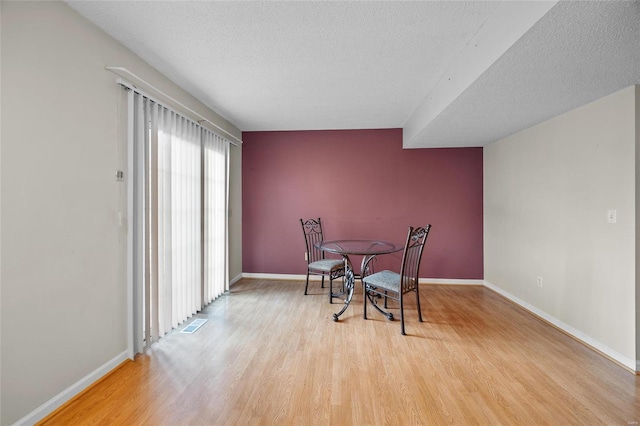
(179, 204)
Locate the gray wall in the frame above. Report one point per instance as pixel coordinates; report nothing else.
(547, 191)
(63, 296)
(235, 213)
(637, 87)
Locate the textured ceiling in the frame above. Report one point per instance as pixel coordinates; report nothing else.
(353, 65)
(577, 53)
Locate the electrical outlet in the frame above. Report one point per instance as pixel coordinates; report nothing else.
(611, 216)
(306, 256)
(539, 281)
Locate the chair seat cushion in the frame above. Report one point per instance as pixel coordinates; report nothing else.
(327, 265)
(387, 280)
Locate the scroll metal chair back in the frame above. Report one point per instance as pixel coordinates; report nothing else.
(392, 285)
(316, 262)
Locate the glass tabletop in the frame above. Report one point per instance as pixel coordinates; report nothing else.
(362, 247)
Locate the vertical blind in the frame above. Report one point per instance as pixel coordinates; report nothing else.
(215, 156)
(180, 220)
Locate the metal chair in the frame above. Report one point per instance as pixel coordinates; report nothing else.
(316, 263)
(392, 285)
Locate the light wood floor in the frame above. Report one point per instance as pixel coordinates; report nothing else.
(270, 355)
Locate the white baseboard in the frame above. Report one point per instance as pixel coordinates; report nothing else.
(449, 281)
(318, 278)
(235, 279)
(600, 347)
(57, 401)
(281, 276)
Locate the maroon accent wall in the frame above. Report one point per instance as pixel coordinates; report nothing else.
(363, 185)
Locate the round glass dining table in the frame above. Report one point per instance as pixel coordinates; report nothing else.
(369, 249)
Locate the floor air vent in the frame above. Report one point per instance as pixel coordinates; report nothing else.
(194, 326)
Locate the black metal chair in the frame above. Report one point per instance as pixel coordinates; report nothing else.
(392, 285)
(316, 263)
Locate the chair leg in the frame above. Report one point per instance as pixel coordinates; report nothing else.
(402, 316)
(322, 280)
(306, 286)
(418, 301)
(364, 298)
(330, 289)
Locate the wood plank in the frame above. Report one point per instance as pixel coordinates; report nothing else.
(269, 354)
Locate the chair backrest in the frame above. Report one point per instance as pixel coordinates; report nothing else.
(411, 257)
(312, 229)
